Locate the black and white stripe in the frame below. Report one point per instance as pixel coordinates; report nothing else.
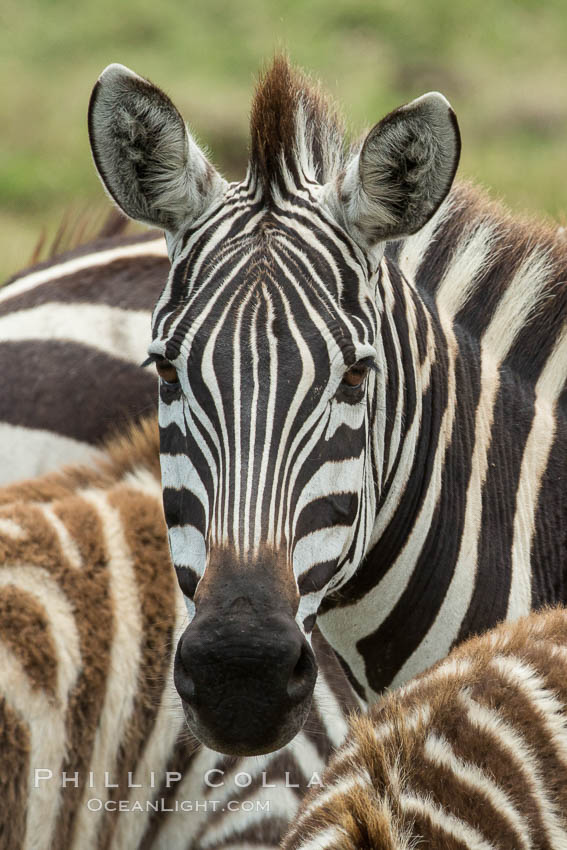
(73, 332)
(428, 503)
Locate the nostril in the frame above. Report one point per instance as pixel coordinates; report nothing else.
(188, 689)
(182, 679)
(185, 687)
(301, 680)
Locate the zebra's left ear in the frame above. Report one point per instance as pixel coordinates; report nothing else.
(403, 172)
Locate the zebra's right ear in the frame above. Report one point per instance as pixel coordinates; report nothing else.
(144, 154)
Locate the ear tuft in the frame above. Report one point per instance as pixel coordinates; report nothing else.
(403, 172)
(144, 154)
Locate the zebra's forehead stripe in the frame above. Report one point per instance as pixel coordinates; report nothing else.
(269, 436)
(310, 269)
(314, 246)
(296, 209)
(209, 375)
(214, 273)
(252, 429)
(236, 373)
(345, 267)
(213, 294)
(301, 391)
(311, 310)
(182, 279)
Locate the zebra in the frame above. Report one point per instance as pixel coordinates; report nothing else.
(362, 396)
(93, 743)
(470, 754)
(73, 332)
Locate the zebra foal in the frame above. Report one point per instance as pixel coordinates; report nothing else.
(471, 754)
(94, 750)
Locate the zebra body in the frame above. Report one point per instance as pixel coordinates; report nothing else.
(94, 748)
(362, 398)
(470, 754)
(73, 332)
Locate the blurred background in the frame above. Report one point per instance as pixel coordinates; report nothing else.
(503, 67)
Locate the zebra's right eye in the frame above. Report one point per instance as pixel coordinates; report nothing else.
(167, 371)
(355, 375)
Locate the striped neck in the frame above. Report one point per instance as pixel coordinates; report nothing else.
(429, 364)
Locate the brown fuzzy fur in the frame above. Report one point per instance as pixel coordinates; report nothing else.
(14, 747)
(386, 753)
(24, 630)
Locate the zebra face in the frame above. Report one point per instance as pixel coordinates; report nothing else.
(265, 401)
(266, 339)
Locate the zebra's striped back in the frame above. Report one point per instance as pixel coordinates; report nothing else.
(471, 754)
(73, 332)
(89, 615)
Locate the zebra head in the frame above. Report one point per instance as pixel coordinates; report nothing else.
(266, 338)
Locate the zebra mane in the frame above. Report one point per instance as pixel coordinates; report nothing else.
(517, 268)
(75, 230)
(295, 131)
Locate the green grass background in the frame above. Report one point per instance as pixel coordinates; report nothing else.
(503, 66)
